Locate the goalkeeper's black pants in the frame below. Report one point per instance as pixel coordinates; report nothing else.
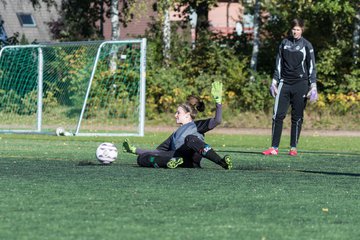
(293, 95)
(191, 152)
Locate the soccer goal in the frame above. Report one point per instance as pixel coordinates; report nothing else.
(88, 88)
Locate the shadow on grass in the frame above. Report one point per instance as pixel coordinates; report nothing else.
(91, 163)
(301, 152)
(330, 173)
(262, 169)
(87, 163)
(237, 151)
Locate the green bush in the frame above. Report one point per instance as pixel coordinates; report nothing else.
(194, 73)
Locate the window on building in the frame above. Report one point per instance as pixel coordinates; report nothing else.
(26, 19)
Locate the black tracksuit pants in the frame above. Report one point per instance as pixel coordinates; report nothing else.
(294, 95)
(190, 151)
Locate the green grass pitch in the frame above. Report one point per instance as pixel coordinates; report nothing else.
(54, 188)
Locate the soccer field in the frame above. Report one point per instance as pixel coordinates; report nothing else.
(54, 188)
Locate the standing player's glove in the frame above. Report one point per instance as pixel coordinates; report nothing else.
(313, 94)
(273, 88)
(216, 91)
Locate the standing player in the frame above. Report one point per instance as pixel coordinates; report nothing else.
(293, 82)
(185, 147)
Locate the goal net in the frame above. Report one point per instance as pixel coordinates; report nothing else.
(87, 88)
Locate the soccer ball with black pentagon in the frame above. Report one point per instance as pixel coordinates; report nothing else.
(106, 153)
(60, 131)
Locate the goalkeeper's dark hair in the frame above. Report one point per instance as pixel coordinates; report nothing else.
(193, 105)
(195, 101)
(298, 22)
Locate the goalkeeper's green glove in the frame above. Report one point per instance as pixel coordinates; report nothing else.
(216, 91)
(128, 147)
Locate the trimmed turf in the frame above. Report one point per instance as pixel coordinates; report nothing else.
(53, 188)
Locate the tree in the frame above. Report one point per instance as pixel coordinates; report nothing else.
(49, 3)
(164, 15)
(256, 40)
(79, 19)
(356, 37)
(201, 8)
(114, 18)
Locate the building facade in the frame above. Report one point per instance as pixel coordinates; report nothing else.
(19, 16)
(225, 18)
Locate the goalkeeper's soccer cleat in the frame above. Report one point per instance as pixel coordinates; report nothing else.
(271, 151)
(174, 162)
(127, 147)
(226, 162)
(293, 152)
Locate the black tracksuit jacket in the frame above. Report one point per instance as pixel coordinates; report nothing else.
(295, 61)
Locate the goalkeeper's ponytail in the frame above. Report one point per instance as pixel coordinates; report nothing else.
(196, 102)
(193, 106)
(200, 106)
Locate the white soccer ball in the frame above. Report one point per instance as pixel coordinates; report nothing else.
(106, 153)
(60, 131)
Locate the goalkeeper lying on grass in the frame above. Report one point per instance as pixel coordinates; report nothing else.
(185, 147)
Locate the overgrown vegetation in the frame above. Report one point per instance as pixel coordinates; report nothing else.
(226, 58)
(330, 28)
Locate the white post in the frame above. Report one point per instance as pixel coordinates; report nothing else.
(142, 87)
(89, 87)
(40, 89)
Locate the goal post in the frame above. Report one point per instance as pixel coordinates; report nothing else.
(94, 88)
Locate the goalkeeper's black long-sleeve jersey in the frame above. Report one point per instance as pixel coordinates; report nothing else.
(295, 61)
(202, 126)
